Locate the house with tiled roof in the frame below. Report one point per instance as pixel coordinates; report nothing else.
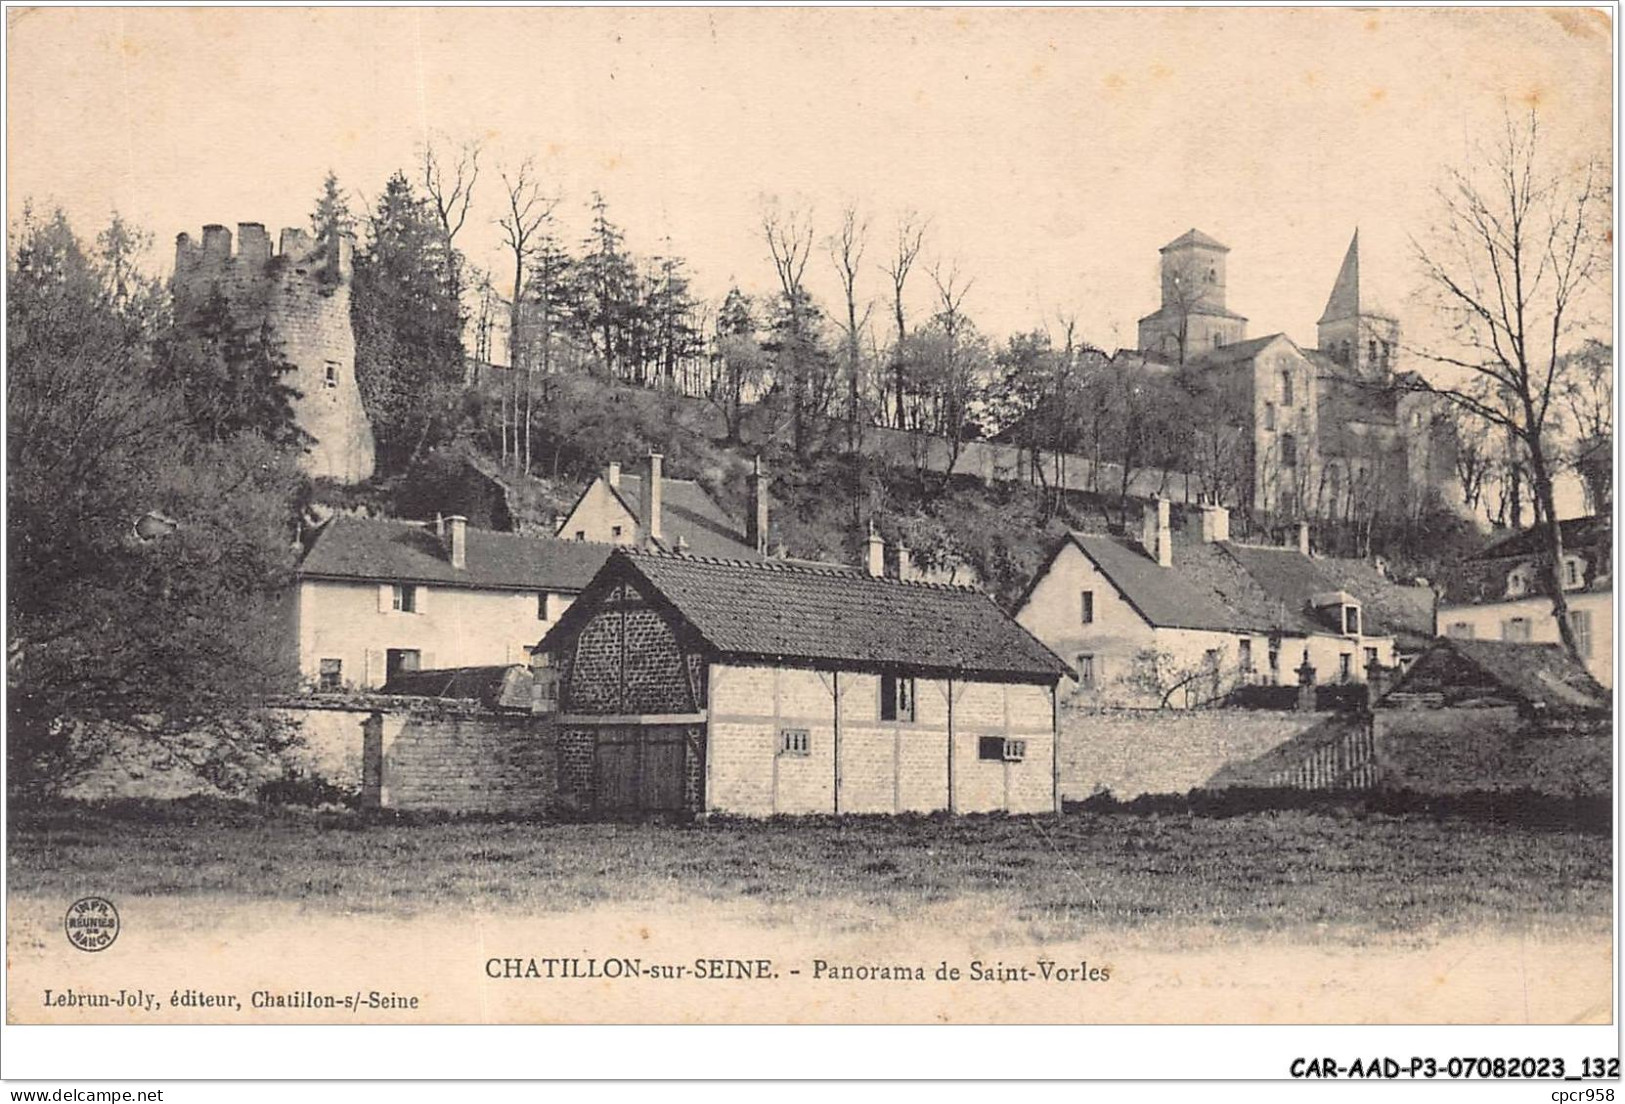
(1504, 592)
(652, 510)
(759, 687)
(1183, 619)
(374, 599)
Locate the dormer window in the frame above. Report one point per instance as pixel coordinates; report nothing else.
(1351, 620)
(1518, 582)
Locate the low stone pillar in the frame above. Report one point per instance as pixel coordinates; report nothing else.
(1306, 685)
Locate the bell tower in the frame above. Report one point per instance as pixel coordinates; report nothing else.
(1193, 317)
(1353, 330)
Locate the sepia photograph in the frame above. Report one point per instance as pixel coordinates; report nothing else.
(813, 516)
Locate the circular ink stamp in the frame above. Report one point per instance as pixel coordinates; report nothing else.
(92, 923)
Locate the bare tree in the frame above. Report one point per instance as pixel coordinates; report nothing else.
(910, 237)
(1520, 247)
(450, 187)
(528, 208)
(846, 251)
(1588, 393)
(789, 236)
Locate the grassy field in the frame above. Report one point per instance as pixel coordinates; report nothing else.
(1264, 872)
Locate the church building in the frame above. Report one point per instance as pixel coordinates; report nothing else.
(1331, 432)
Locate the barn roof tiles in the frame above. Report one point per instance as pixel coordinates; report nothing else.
(772, 611)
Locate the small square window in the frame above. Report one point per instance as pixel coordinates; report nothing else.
(581, 534)
(997, 749)
(615, 532)
(896, 698)
(1088, 605)
(795, 741)
(332, 675)
(330, 374)
(405, 599)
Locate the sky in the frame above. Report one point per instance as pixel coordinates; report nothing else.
(1052, 150)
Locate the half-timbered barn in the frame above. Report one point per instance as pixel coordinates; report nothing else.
(765, 687)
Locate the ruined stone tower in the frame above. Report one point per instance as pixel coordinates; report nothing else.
(303, 291)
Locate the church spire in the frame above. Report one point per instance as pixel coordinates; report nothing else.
(1345, 298)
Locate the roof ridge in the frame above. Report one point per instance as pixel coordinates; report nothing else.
(802, 567)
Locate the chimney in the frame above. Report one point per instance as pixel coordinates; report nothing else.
(612, 474)
(877, 554)
(1215, 523)
(457, 533)
(905, 563)
(756, 520)
(1154, 535)
(649, 508)
(439, 525)
(1303, 538)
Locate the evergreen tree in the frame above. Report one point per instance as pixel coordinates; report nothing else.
(609, 285)
(408, 326)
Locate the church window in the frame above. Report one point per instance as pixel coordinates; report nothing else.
(1286, 387)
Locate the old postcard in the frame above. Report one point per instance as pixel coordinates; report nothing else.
(812, 516)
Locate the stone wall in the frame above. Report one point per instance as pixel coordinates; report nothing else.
(1130, 752)
(303, 293)
(461, 762)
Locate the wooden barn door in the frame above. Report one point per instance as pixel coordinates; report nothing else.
(662, 774)
(640, 768)
(617, 768)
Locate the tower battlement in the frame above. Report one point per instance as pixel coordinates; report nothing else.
(297, 249)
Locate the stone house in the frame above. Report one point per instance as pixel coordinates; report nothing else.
(1504, 595)
(649, 510)
(1184, 619)
(374, 599)
(764, 687)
